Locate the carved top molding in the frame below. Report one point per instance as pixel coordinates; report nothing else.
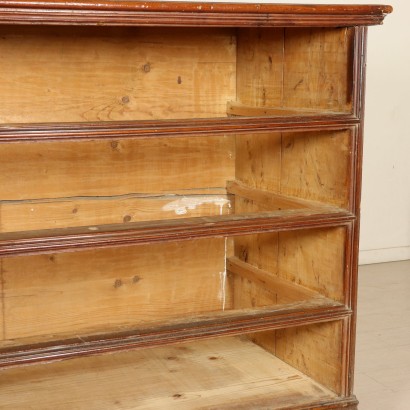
(154, 13)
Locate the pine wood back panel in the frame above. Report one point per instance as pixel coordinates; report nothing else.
(52, 185)
(296, 68)
(298, 260)
(308, 165)
(108, 74)
(113, 289)
(315, 350)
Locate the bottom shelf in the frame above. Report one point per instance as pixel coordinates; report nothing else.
(224, 373)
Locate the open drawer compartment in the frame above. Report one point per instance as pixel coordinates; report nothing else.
(94, 74)
(293, 368)
(65, 304)
(57, 189)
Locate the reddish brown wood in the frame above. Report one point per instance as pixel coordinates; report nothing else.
(64, 239)
(187, 14)
(360, 77)
(123, 13)
(154, 129)
(222, 323)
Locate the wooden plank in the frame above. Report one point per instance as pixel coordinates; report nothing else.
(267, 200)
(260, 67)
(242, 110)
(18, 133)
(258, 160)
(82, 211)
(274, 162)
(298, 260)
(283, 289)
(2, 325)
(228, 373)
(192, 14)
(108, 74)
(126, 234)
(116, 289)
(315, 350)
(318, 68)
(308, 69)
(105, 168)
(52, 347)
(324, 161)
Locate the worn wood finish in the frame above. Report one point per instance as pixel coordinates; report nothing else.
(102, 291)
(292, 256)
(49, 348)
(267, 200)
(294, 68)
(115, 181)
(115, 74)
(275, 162)
(261, 106)
(326, 176)
(285, 291)
(298, 261)
(29, 215)
(187, 14)
(225, 373)
(318, 65)
(64, 239)
(2, 325)
(350, 330)
(106, 168)
(241, 110)
(316, 351)
(18, 133)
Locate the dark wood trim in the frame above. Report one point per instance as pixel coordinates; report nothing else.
(361, 35)
(199, 7)
(195, 14)
(102, 236)
(172, 128)
(218, 324)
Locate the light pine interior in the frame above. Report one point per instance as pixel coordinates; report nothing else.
(130, 74)
(67, 184)
(107, 290)
(137, 73)
(123, 74)
(230, 373)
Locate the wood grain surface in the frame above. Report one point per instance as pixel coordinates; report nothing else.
(224, 373)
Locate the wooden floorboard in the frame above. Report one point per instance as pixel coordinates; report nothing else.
(219, 373)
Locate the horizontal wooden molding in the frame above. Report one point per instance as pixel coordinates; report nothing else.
(222, 323)
(124, 13)
(70, 239)
(172, 128)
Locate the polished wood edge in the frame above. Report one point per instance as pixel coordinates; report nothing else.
(103, 236)
(222, 324)
(153, 13)
(200, 7)
(171, 128)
